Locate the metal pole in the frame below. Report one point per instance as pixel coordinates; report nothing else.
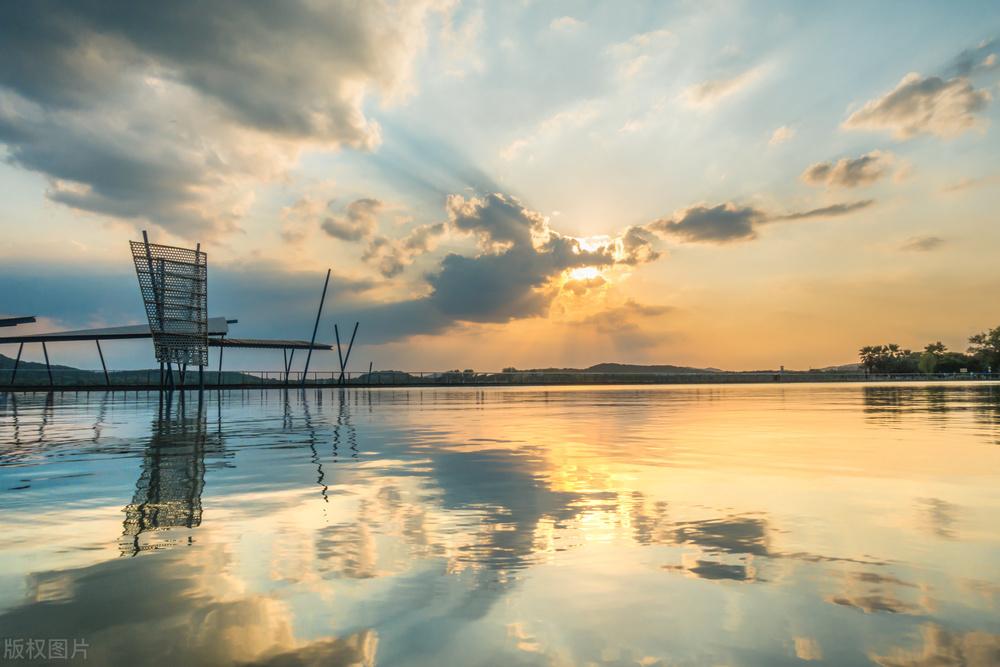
(17, 362)
(47, 366)
(340, 357)
(107, 380)
(201, 379)
(347, 356)
(312, 341)
(288, 367)
(370, 373)
(222, 346)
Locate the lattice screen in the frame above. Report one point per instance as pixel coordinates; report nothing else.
(174, 283)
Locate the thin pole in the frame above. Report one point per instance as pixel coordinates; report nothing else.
(336, 332)
(312, 341)
(47, 366)
(284, 354)
(370, 373)
(222, 346)
(201, 379)
(17, 362)
(347, 356)
(107, 380)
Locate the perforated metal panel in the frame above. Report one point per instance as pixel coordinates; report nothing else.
(174, 283)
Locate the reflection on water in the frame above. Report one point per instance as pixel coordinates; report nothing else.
(744, 525)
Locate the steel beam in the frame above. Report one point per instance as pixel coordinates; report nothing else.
(107, 379)
(312, 341)
(17, 362)
(48, 367)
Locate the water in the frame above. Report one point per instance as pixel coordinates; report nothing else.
(694, 525)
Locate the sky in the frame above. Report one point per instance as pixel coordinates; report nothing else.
(715, 184)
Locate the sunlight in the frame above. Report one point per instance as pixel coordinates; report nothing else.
(584, 273)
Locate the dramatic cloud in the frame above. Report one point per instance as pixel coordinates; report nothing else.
(923, 105)
(172, 113)
(923, 244)
(849, 172)
(828, 211)
(729, 222)
(514, 275)
(712, 224)
(358, 222)
(710, 93)
(781, 135)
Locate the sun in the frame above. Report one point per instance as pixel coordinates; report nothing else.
(584, 273)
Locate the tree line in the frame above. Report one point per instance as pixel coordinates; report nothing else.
(982, 356)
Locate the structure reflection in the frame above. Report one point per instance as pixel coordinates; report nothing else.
(168, 492)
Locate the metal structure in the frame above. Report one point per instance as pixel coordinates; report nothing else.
(174, 286)
(173, 282)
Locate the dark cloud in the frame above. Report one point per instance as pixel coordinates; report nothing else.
(172, 113)
(831, 211)
(512, 276)
(849, 172)
(638, 246)
(923, 244)
(357, 223)
(923, 105)
(716, 224)
(495, 219)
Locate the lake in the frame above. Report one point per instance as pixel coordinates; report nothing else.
(688, 525)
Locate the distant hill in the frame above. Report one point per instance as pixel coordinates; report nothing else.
(608, 367)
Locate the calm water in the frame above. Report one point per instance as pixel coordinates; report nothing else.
(694, 525)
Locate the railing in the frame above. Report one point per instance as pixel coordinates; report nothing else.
(35, 378)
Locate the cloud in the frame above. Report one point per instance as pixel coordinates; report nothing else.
(709, 93)
(712, 224)
(622, 324)
(970, 183)
(392, 256)
(359, 221)
(981, 58)
(171, 115)
(553, 126)
(566, 24)
(729, 222)
(831, 211)
(849, 172)
(923, 105)
(923, 244)
(781, 135)
(513, 275)
(634, 55)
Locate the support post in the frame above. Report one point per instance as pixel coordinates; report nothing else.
(347, 356)
(201, 379)
(48, 367)
(107, 379)
(222, 346)
(17, 362)
(370, 373)
(312, 341)
(340, 357)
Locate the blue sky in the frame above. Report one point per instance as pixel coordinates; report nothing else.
(732, 184)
